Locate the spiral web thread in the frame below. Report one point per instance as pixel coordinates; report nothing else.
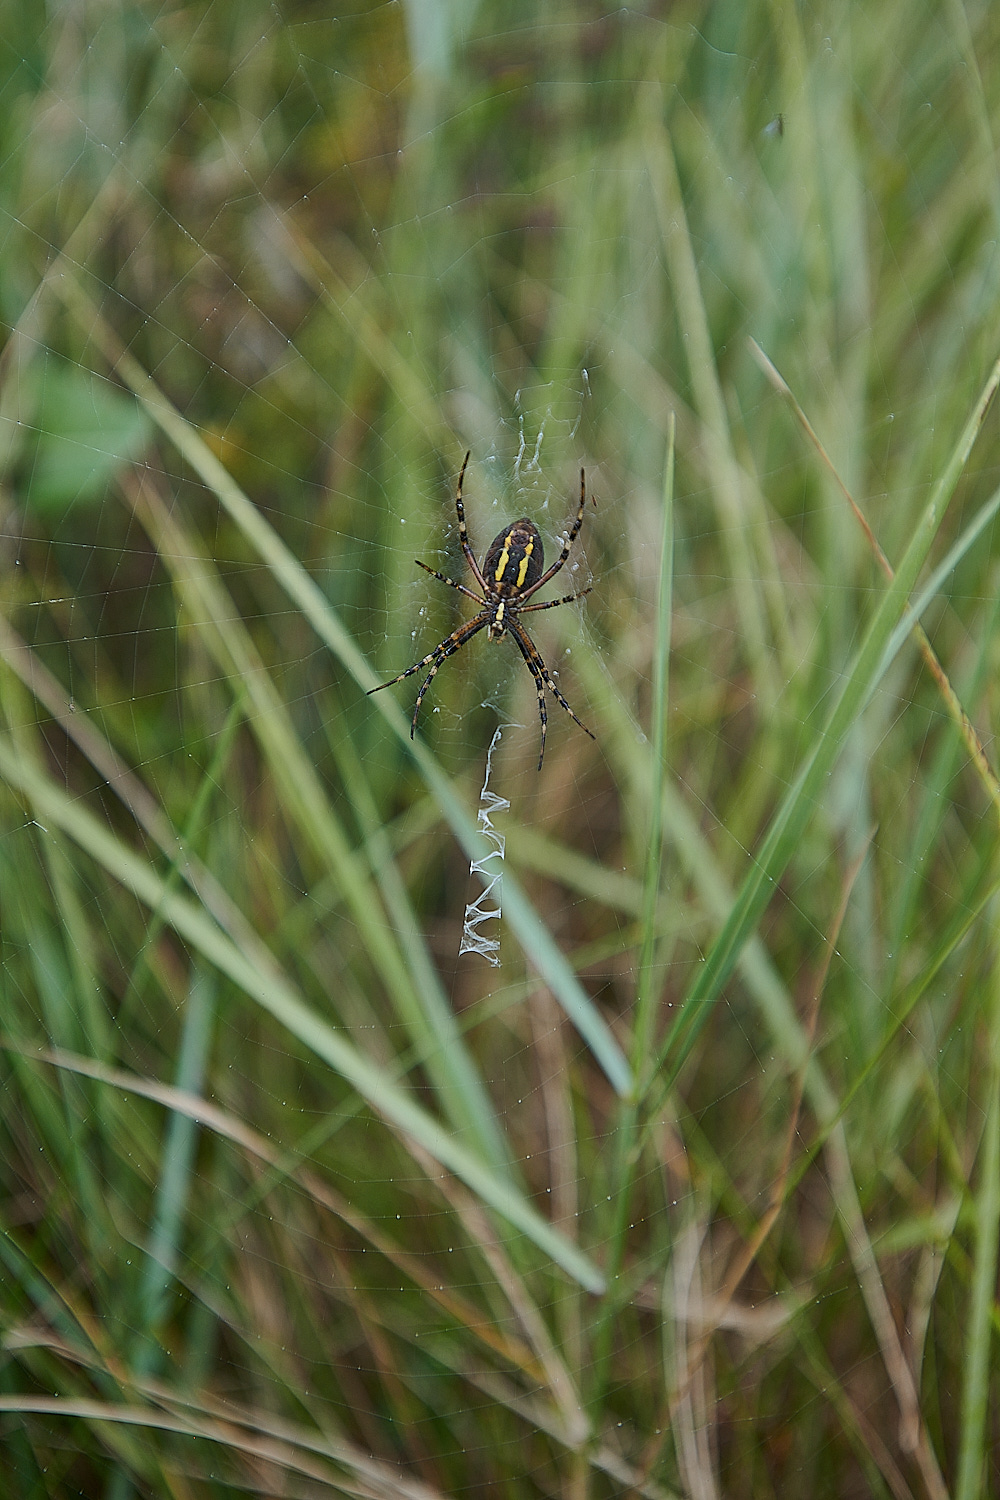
(477, 912)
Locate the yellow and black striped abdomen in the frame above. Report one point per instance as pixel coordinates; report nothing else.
(515, 558)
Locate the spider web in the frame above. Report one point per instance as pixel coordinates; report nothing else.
(264, 264)
(490, 869)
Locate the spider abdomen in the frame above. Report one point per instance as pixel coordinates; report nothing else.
(515, 559)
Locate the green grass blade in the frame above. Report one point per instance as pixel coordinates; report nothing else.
(958, 549)
(807, 789)
(975, 1446)
(180, 1141)
(279, 998)
(646, 995)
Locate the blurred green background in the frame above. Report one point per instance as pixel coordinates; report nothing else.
(698, 1192)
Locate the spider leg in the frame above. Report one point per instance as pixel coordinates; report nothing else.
(463, 534)
(574, 532)
(433, 659)
(530, 663)
(525, 609)
(447, 648)
(541, 674)
(445, 579)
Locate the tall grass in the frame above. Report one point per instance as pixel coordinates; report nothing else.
(697, 1193)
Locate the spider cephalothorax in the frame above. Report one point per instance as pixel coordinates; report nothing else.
(512, 571)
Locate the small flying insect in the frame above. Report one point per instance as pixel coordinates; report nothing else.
(511, 573)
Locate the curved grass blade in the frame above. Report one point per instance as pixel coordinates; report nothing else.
(806, 790)
(973, 1453)
(911, 613)
(273, 992)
